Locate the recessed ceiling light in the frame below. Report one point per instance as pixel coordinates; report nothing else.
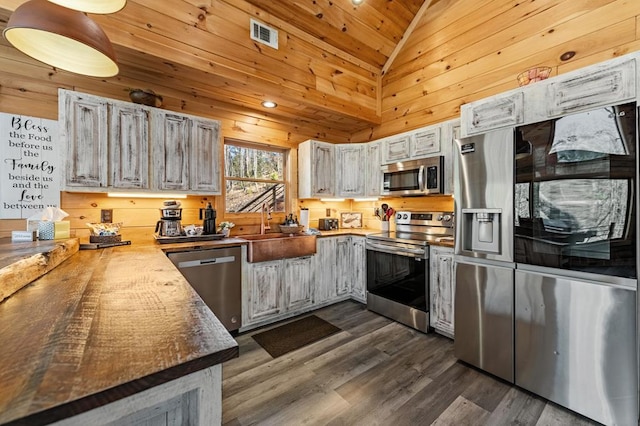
(357, 2)
(269, 104)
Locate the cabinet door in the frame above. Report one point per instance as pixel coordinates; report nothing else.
(359, 268)
(425, 142)
(344, 270)
(397, 149)
(171, 151)
(323, 169)
(129, 146)
(325, 269)
(84, 135)
(442, 289)
(351, 176)
(265, 290)
(492, 113)
(373, 182)
(205, 156)
(604, 85)
(298, 279)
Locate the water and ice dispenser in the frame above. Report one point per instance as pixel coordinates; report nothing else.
(481, 230)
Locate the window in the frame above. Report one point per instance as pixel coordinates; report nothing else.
(253, 176)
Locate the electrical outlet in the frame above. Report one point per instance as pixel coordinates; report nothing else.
(328, 212)
(106, 215)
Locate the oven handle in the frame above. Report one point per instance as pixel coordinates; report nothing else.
(397, 250)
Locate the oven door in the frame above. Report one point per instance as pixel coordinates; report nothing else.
(398, 284)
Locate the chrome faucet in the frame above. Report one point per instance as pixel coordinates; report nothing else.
(265, 227)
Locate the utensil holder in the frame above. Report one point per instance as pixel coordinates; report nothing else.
(384, 225)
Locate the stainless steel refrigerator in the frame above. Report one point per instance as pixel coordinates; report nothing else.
(484, 293)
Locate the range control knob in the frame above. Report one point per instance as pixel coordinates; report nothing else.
(405, 216)
(446, 217)
(440, 217)
(398, 216)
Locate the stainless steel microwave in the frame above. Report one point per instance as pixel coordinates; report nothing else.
(416, 177)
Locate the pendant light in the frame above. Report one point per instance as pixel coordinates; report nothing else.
(92, 6)
(61, 37)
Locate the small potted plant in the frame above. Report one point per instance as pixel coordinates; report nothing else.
(225, 227)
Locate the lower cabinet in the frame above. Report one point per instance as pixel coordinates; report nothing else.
(442, 289)
(278, 289)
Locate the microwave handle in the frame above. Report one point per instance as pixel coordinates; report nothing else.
(421, 181)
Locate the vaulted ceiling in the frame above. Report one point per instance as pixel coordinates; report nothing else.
(325, 73)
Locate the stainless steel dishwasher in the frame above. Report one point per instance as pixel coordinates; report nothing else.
(215, 274)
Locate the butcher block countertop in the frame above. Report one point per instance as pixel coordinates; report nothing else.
(103, 325)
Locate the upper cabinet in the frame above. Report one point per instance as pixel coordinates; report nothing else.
(425, 142)
(129, 138)
(108, 147)
(397, 148)
(84, 134)
(316, 169)
(373, 179)
(351, 179)
(608, 83)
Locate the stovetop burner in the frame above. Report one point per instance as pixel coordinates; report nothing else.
(419, 228)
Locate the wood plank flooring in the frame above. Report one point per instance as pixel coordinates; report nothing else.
(374, 372)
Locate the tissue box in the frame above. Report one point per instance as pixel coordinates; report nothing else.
(46, 230)
(61, 229)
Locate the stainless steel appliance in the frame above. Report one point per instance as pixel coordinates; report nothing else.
(484, 252)
(416, 177)
(576, 256)
(215, 274)
(328, 224)
(169, 224)
(398, 266)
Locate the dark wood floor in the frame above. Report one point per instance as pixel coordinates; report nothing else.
(374, 372)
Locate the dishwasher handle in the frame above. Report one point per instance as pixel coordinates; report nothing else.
(206, 262)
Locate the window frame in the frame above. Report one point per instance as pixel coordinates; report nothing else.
(286, 154)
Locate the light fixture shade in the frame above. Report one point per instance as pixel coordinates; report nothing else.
(61, 37)
(92, 6)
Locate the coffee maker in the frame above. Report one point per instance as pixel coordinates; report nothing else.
(169, 224)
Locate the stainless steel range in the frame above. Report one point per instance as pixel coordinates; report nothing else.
(398, 266)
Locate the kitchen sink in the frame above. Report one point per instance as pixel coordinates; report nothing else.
(264, 247)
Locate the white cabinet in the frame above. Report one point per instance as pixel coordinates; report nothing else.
(359, 269)
(373, 182)
(442, 289)
(129, 137)
(425, 142)
(324, 266)
(298, 281)
(344, 268)
(316, 169)
(108, 146)
(492, 113)
(263, 295)
(397, 148)
(351, 173)
(594, 86)
(84, 135)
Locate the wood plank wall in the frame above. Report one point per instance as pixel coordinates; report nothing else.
(464, 50)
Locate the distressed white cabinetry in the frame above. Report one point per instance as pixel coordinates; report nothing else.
(263, 295)
(492, 113)
(373, 182)
(316, 169)
(108, 146)
(450, 132)
(204, 156)
(351, 175)
(84, 135)
(442, 289)
(324, 267)
(344, 268)
(359, 269)
(425, 142)
(129, 136)
(397, 148)
(171, 135)
(298, 281)
(598, 85)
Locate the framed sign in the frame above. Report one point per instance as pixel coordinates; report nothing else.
(351, 220)
(29, 165)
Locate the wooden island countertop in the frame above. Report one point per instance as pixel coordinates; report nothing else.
(103, 325)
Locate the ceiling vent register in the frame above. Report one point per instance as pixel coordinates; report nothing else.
(264, 34)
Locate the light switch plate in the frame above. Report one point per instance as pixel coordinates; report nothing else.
(106, 215)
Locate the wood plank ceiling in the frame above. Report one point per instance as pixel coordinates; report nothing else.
(325, 73)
